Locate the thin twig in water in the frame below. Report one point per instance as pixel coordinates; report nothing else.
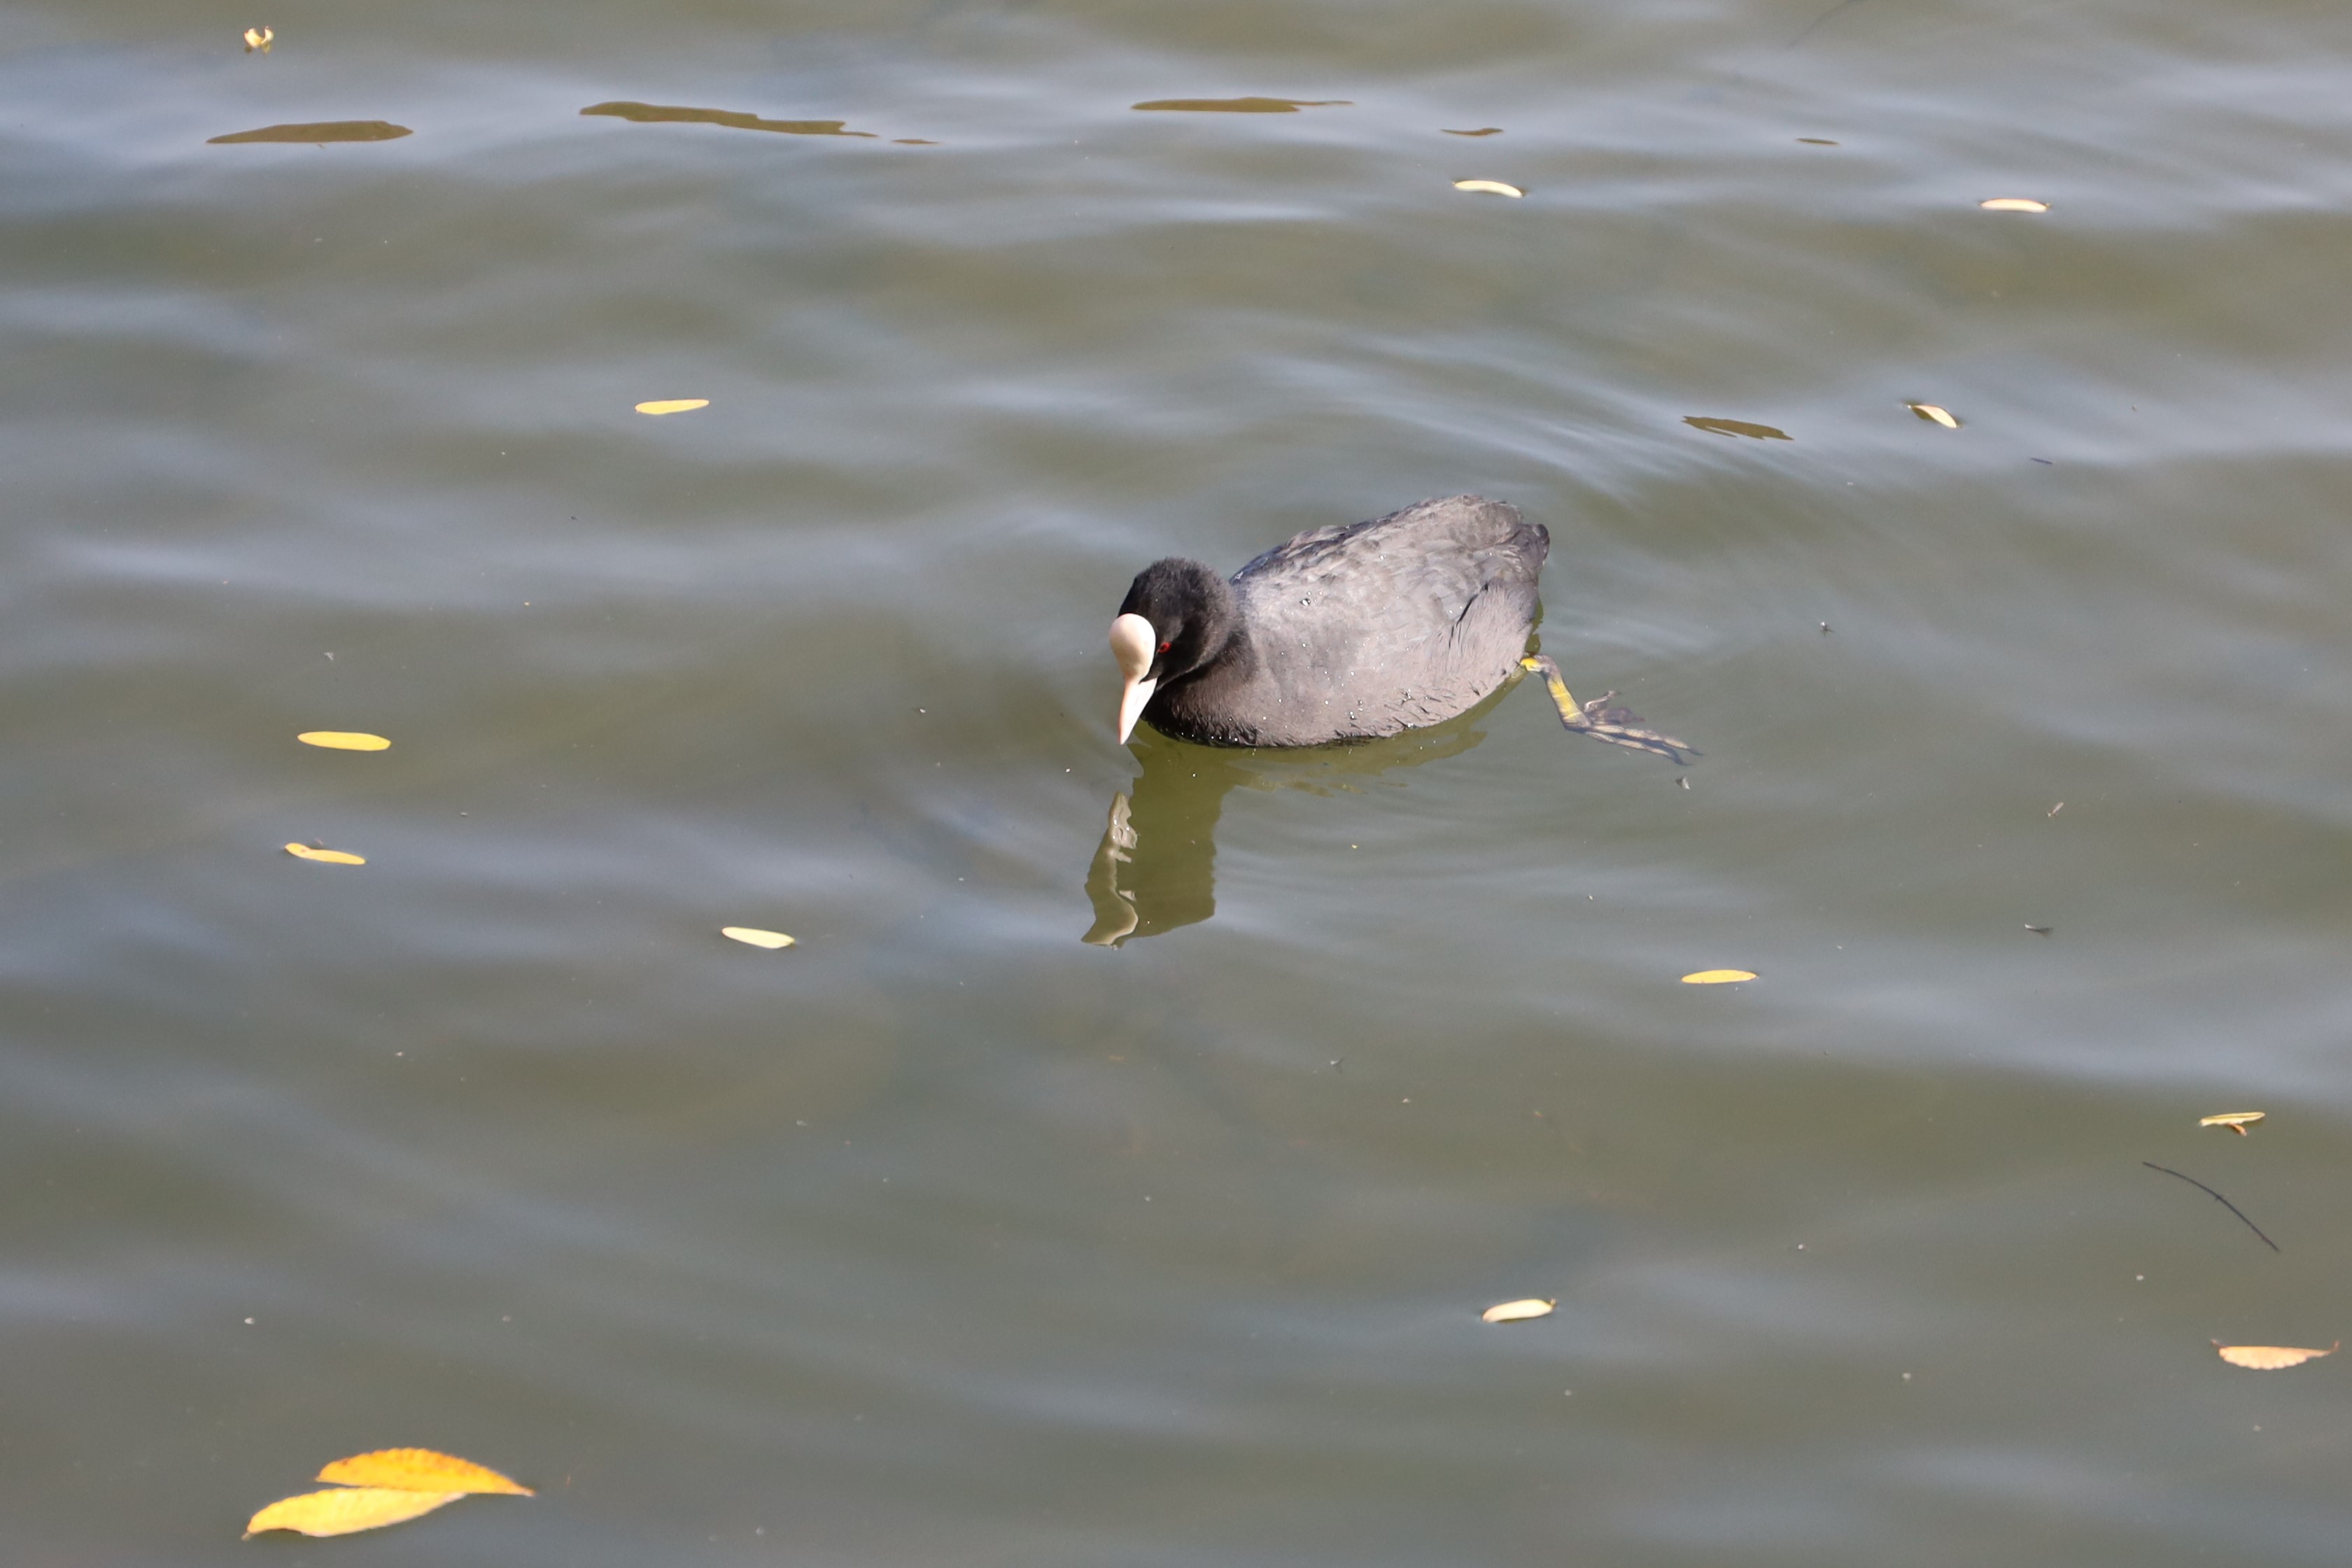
(2216, 1197)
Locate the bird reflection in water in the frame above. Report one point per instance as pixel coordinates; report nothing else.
(1156, 867)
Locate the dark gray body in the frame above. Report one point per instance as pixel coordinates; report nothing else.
(1363, 630)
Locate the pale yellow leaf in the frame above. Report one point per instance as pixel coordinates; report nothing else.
(673, 405)
(2268, 1357)
(1517, 1311)
(420, 1469)
(1929, 410)
(343, 740)
(326, 857)
(1717, 976)
(1488, 187)
(258, 39)
(755, 936)
(345, 1510)
(2014, 205)
(2236, 1121)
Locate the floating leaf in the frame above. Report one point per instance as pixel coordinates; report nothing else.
(1488, 187)
(344, 1510)
(1816, 141)
(2269, 1357)
(343, 740)
(1482, 131)
(1517, 1311)
(1243, 105)
(1718, 978)
(420, 1469)
(324, 856)
(911, 141)
(674, 114)
(755, 936)
(2236, 1121)
(258, 39)
(673, 405)
(2014, 205)
(1934, 414)
(320, 130)
(1736, 427)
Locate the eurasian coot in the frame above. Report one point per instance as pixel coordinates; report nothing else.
(1343, 634)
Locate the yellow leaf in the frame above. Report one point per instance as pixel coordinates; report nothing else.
(343, 740)
(325, 857)
(1717, 977)
(345, 1510)
(755, 936)
(2236, 1121)
(2014, 205)
(318, 131)
(258, 39)
(1942, 416)
(1736, 427)
(1488, 187)
(673, 405)
(1516, 1311)
(420, 1469)
(2269, 1357)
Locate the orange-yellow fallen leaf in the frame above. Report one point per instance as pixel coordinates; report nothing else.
(2236, 1121)
(420, 1469)
(2269, 1357)
(258, 39)
(673, 405)
(755, 936)
(344, 1509)
(2014, 205)
(1940, 415)
(1517, 1311)
(343, 740)
(1488, 187)
(1718, 976)
(324, 857)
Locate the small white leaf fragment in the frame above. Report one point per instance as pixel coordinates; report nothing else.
(2236, 1121)
(673, 405)
(1517, 1311)
(2269, 1357)
(755, 936)
(258, 39)
(2013, 205)
(1935, 412)
(1488, 187)
(1718, 978)
(323, 856)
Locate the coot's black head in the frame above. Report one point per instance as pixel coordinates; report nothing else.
(1176, 620)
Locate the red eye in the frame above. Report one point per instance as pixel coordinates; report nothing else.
(1165, 646)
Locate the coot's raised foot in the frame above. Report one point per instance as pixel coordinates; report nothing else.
(1602, 722)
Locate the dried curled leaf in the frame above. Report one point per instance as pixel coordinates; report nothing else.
(1488, 187)
(1718, 978)
(2236, 1121)
(1935, 413)
(1517, 1311)
(2013, 205)
(343, 740)
(324, 856)
(755, 936)
(673, 405)
(2269, 1357)
(258, 39)
(344, 1510)
(420, 1469)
